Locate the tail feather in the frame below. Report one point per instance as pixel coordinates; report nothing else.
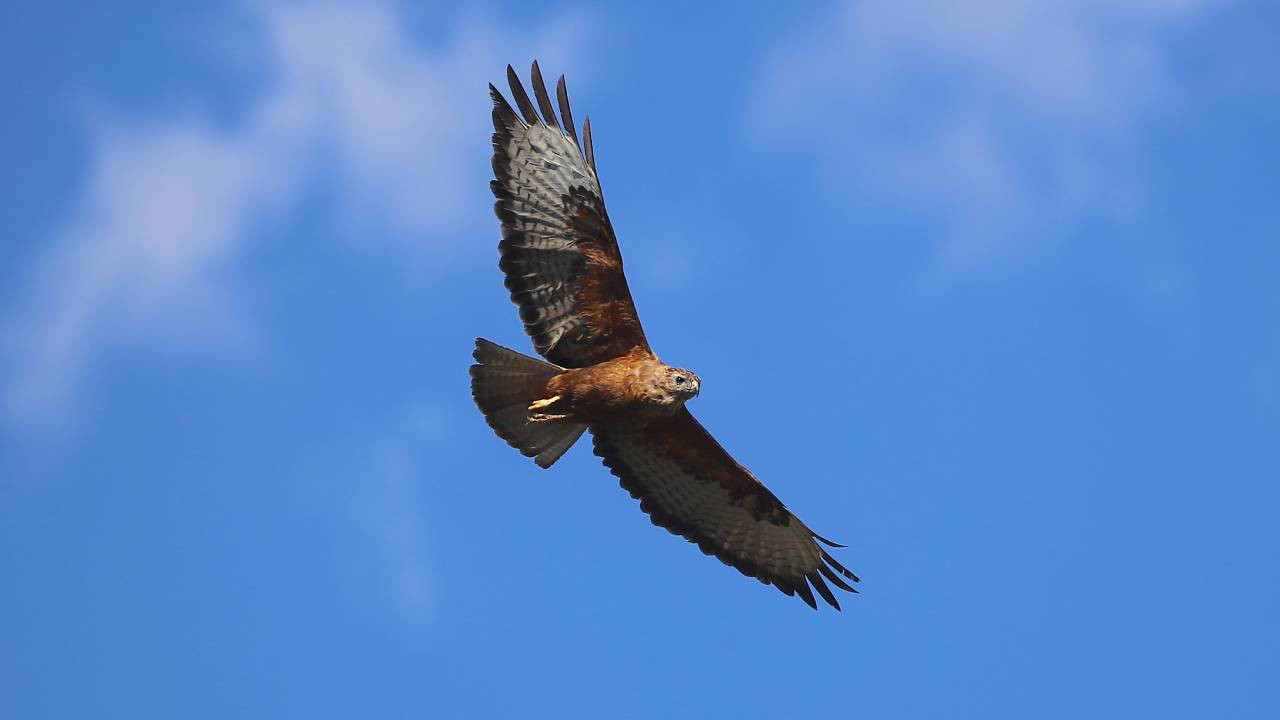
(504, 383)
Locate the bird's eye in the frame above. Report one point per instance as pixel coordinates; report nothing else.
(680, 379)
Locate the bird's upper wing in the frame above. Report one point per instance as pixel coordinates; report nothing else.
(558, 249)
(689, 485)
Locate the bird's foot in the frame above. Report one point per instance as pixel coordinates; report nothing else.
(542, 404)
(535, 406)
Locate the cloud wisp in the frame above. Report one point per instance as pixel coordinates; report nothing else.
(389, 503)
(146, 258)
(996, 118)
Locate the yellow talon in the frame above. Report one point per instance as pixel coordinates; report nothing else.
(540, 404)
(535, 416)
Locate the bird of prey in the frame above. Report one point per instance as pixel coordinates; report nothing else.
(564, 271)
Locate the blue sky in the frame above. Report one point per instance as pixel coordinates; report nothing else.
(988, 294)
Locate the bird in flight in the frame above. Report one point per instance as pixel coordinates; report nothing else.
(564, 271)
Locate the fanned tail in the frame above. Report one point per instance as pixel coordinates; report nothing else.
(504, 383)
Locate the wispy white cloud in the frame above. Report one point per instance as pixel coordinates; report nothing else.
(147, 255)
(389, 504)
(997, 117)
(375, 493)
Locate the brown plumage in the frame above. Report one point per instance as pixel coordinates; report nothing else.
(564, 271)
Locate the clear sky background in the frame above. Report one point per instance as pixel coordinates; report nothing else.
(987, 291)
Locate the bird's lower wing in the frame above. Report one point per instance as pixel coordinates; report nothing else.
(689, 485)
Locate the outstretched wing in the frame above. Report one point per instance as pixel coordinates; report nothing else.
(558, 249)
(689, 485)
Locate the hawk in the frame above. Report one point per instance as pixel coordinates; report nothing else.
(564, 271)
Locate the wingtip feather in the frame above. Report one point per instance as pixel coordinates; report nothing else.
(816, 580)
(802, 589)
(835, 579)
(522, 98)
(828, 543)
(562, 97)
(544, 100)
(588, 146)
(838, 567)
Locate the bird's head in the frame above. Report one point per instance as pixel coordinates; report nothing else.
(682, 383)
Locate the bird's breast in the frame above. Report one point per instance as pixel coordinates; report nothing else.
(626, 389)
